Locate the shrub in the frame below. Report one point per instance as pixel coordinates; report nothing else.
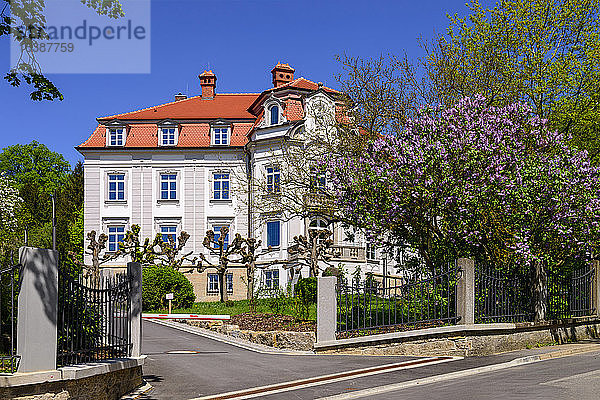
(306, 293)
(160, 280)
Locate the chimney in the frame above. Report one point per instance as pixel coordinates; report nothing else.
(179, 96)
(208, 82)
(282, 74)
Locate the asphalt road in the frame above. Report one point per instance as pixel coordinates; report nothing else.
(218, 367)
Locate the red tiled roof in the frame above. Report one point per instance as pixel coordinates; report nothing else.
(223, 105)
(190, 135)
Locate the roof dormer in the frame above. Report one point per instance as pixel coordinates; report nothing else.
(168, 133)
(116, 133)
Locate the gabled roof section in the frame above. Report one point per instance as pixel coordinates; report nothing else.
(298, 83)
(223, 105)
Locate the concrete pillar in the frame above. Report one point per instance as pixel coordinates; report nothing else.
(134, 271)
(326, 308)
(596, 287)
(37, 309)
(465, 292)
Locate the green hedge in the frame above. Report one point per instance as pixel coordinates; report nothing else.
(160, 280)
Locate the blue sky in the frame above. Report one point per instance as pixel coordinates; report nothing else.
(239, 40)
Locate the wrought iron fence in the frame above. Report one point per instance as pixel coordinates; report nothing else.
(9, 291)
(570, 294)
(93, 318)
(502, 296)
(392, 303)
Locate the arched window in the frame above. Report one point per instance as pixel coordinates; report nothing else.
(318, 224)
(274, 110)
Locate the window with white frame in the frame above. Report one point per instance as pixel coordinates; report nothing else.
(318, 224)
(168, 136)
(116, 235)
(274, 114)
(217, 230)
(221, 186)
(213, 283)
(272, 279)
(168, 232)
(273, 233)
(116, 136)
(370, 251)
(317, 179)
(116, 187)
(220, 135)
(273, 179)
(168, 186)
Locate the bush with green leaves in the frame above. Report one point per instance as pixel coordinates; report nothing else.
(306, 293)
(159, 280)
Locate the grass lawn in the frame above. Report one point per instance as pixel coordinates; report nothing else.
(238, 307)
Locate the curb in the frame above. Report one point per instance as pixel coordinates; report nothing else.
(257, 348)
(137, 393)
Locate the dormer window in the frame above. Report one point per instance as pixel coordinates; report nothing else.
(116, 136)
(220, 135)
(274, 113)
(168, 136)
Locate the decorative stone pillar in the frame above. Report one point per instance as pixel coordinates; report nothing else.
(326, 308)
(465, 292)
(596, 287)
(134, 272)
(37, 309)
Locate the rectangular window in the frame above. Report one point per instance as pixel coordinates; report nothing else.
(116, 187)
(273, 180)
(168, 186)
(370, 251)
(273, 233)
(217, 231)
(168, 231)
(221, 136)
(317, 179)
(272, 279)
(168, 137)
(115, 137)
(213, 283)
(221, 186)
(116, 234)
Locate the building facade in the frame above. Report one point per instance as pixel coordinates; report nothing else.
(190, 165)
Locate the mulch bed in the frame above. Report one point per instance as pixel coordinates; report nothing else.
(272, 322)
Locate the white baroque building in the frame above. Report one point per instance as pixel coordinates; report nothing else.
(191, 165)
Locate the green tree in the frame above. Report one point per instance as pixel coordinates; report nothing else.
(25, 19)
(542, 52)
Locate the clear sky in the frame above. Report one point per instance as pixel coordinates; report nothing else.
(239, 40)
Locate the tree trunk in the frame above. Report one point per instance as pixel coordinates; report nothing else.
(540, 291)
(250, 276)
(223, 286)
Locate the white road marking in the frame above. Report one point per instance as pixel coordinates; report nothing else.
(326, 379)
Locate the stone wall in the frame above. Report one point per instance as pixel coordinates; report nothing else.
(109, 386)
(303, 341)
(476, 342)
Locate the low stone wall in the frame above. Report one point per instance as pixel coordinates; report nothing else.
(106, 381)
(466, 340)
(280, 339)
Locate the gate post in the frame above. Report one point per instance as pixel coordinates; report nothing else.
(37, 309)
(326, 308)
(596, 287)
(134, 272)
(465, 292)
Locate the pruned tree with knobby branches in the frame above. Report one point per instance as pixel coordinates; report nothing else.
(315, 248)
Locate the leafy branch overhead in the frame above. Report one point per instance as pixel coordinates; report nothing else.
(26, 21)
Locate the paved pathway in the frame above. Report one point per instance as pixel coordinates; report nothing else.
(217, 367)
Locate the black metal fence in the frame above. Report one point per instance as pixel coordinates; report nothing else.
(9, 291)
(570, 294)
(379, 304)
(93, 318)
(501, 296)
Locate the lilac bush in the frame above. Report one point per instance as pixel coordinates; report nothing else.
(494, 183)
